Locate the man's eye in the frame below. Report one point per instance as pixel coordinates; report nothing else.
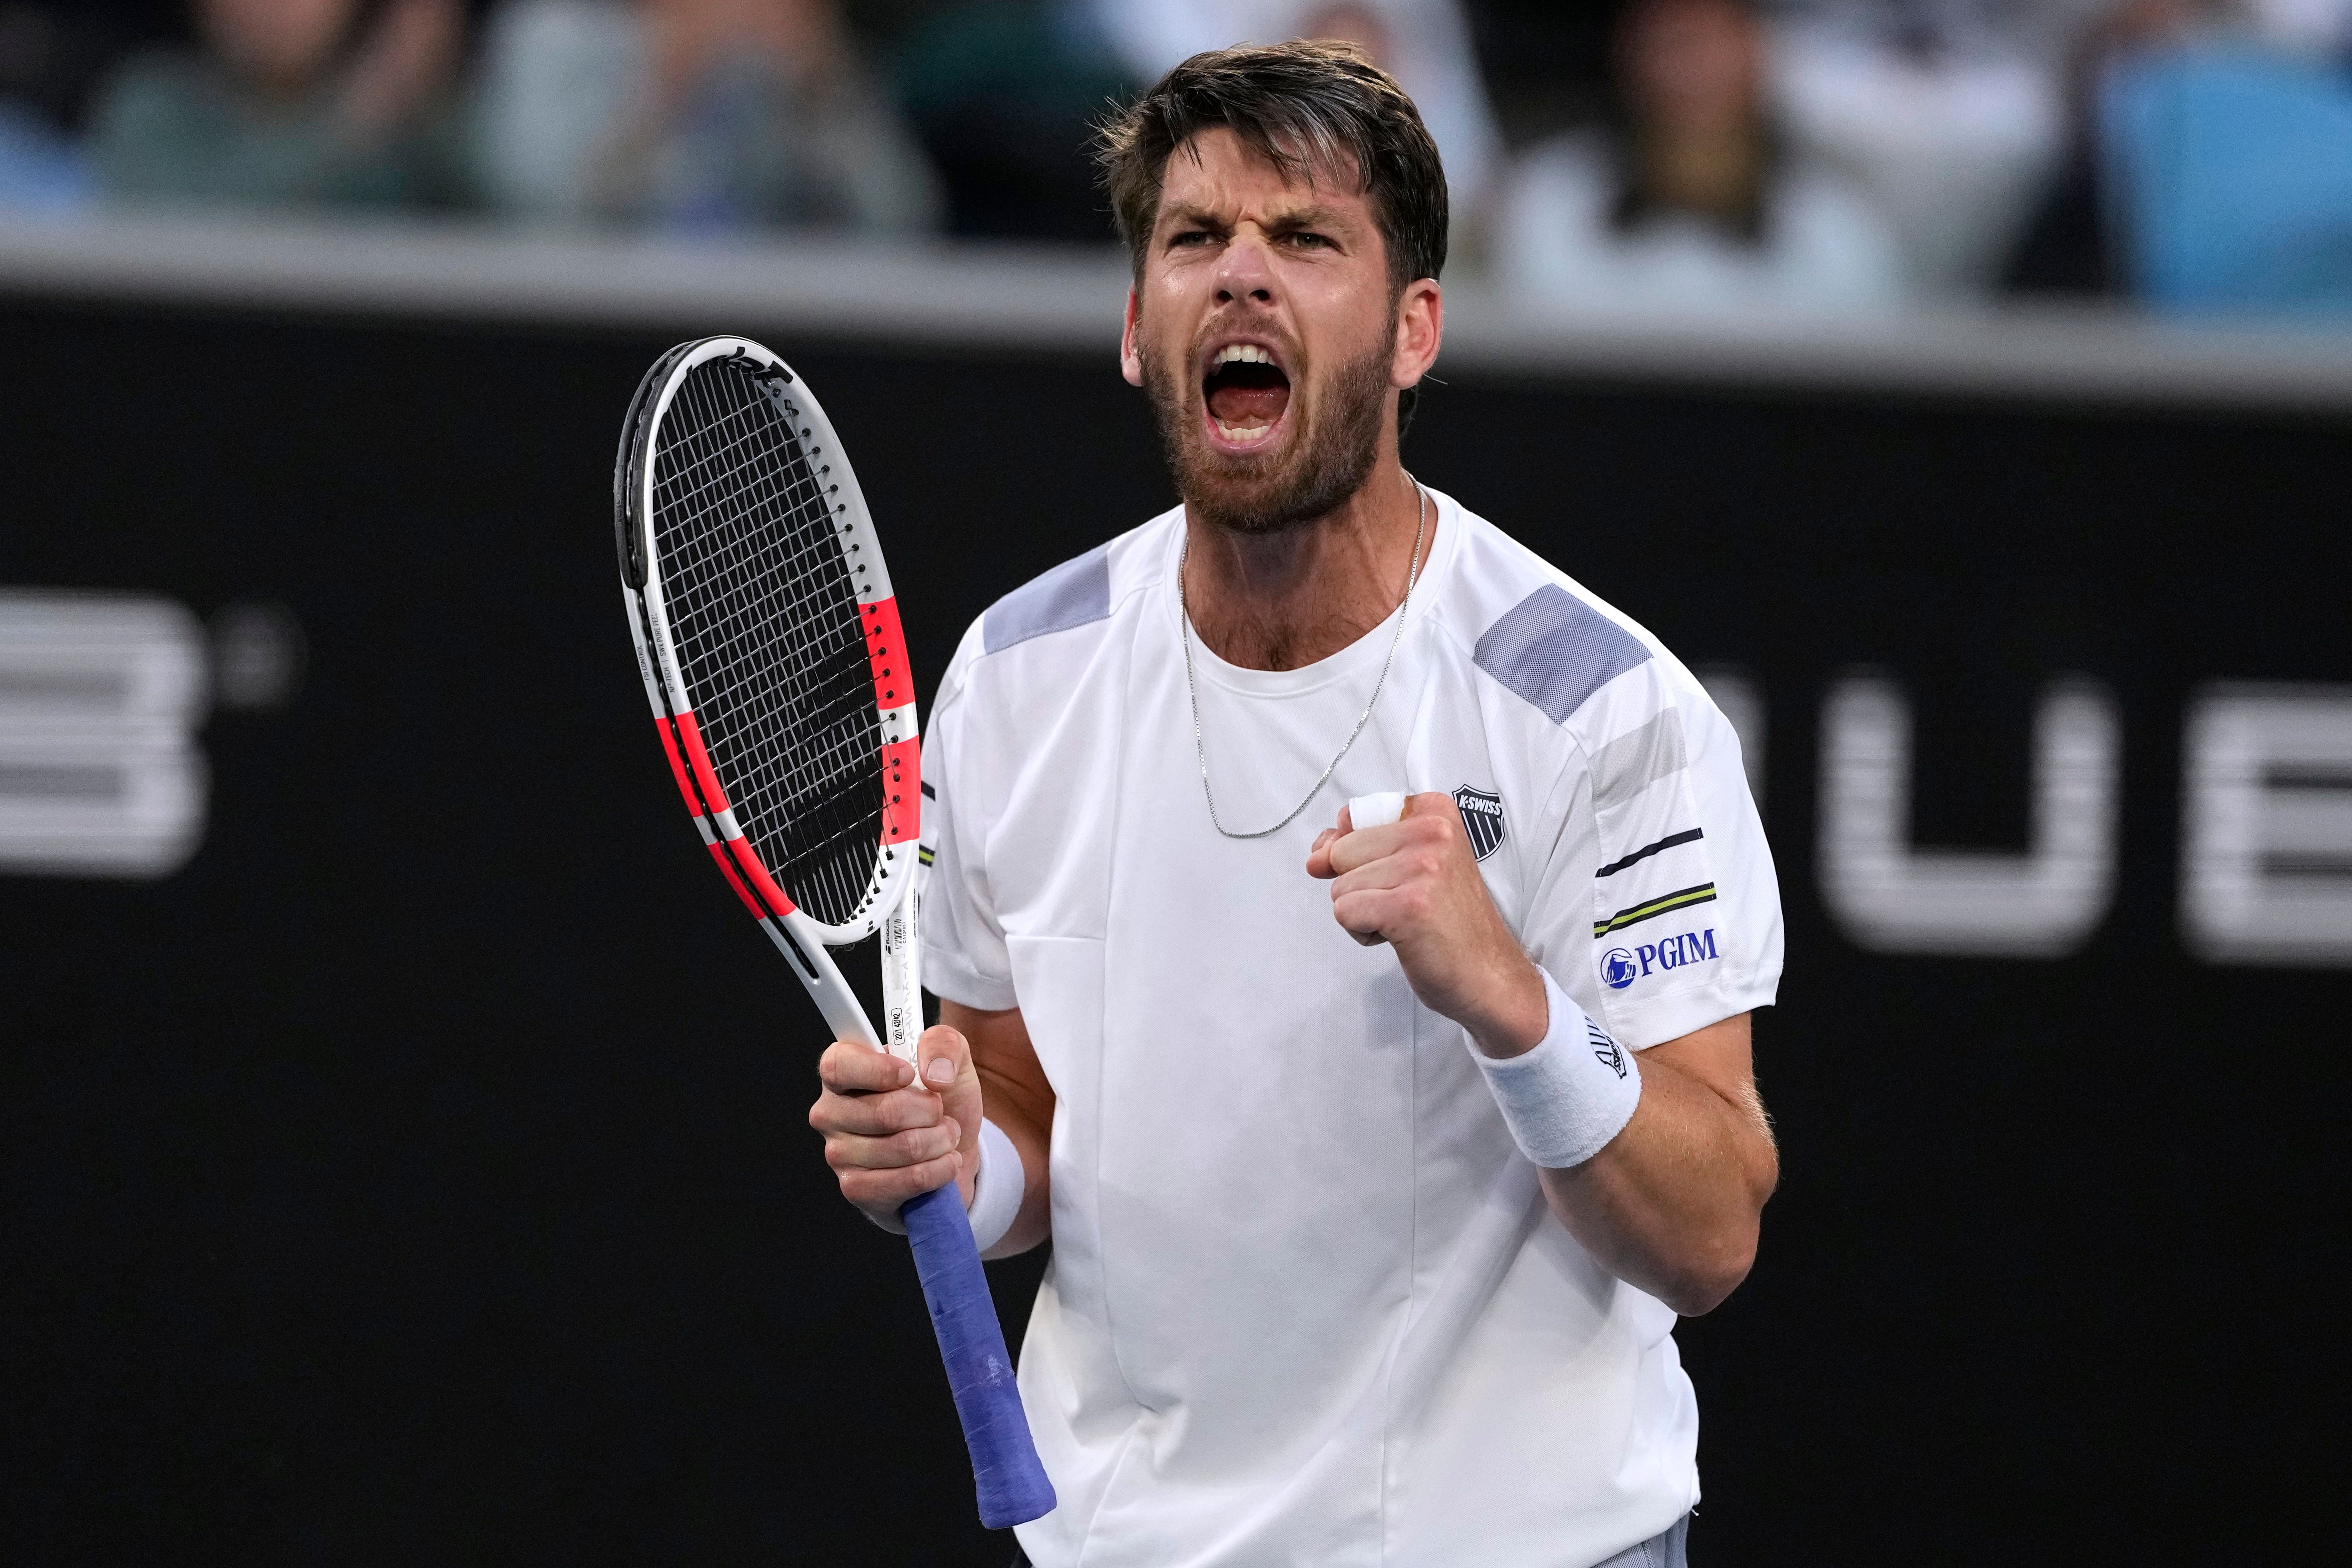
(1306, 240)
(1189, 236)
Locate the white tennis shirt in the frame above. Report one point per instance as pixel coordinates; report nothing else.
(1306, 1304)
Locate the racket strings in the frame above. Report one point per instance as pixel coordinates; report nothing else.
(808, 740)
(763, 611)
(825, 742)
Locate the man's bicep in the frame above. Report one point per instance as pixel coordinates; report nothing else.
(1685, 929)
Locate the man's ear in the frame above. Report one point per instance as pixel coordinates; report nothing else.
(1420, 327)
(1130, 361)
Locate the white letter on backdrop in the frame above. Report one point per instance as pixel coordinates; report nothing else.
(1892, 897)
(99, 694)
(2266, 824)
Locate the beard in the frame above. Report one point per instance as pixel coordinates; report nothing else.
(1265, 494)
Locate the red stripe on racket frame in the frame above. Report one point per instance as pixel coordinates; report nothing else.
(678, 767)
(691, 737)
(886, 646)
(727, 869)
(747, 861)
(902, 791)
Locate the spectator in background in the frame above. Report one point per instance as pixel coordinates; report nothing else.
(44, 76)
(699, 115)
(1424, 44)
(2318, 26)
(2066, 248)
(291, 103)
(1005, 95)
(2222, 169)
(1950, 122)
(40, 170)
(1691, 201)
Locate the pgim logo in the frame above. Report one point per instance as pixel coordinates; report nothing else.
(1620, 967)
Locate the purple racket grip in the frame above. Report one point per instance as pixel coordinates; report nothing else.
(1012, 1484)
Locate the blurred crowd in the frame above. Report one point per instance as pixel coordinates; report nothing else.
(1680, 154)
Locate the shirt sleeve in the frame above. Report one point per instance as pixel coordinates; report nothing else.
(964, 955)
(1658, 908)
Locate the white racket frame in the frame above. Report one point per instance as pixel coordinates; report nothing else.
(889, 902)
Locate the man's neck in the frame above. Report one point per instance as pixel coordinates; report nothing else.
(1283, 601)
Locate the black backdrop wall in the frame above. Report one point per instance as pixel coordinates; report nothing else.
(421, 1173)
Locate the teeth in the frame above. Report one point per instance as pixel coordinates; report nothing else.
(1244, 353)
(1239, 436)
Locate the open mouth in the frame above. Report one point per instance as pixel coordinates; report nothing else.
(1246, 393)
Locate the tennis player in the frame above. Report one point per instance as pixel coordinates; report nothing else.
(1378, 1160)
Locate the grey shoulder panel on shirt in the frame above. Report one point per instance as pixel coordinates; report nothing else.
(1555, 650)
(1075, 593)
(1639, 758)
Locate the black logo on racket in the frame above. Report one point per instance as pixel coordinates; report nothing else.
(1482, 815)
(771, 379)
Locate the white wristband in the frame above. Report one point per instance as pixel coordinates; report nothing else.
(1566, 1099)
(998, 1186)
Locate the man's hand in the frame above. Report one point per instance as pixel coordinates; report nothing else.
(890, 1136)
(1414, 884)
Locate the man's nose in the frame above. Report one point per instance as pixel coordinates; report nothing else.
(1246, 271)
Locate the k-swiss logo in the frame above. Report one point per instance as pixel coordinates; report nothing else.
(1482, 815)
(1605, 1049)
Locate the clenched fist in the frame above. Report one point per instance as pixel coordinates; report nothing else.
(1414, 884)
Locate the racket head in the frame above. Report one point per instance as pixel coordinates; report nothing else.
(769, 640)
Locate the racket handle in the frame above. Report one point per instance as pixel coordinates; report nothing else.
(1012, 1484)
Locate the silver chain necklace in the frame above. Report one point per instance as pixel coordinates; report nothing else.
(1191, 692)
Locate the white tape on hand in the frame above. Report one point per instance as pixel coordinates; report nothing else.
(1376, 810)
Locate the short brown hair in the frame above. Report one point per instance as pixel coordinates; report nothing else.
(1301, 107)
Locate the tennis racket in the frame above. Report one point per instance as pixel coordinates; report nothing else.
(771, 651)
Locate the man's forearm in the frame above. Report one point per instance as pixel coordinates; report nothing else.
(1033, 1143)
(1671, 1204)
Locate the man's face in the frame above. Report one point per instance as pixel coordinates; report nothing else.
(1693, 66)
(1264, 330)
(282, 45)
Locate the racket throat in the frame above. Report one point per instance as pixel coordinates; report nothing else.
(790, 947)
(793, 935)
(902, 982)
